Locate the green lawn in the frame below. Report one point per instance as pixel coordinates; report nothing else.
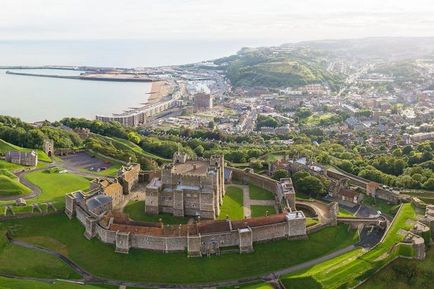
(15, 260)
(381, 205)
(143, 265)
(317, 119)
(12, 187)
(257, 193)
(136, 211)
(259, 211)
(232, 204)
(55, 185)
(9, 166)
(348, 269)
(344, 213)
(9, 283)
(311, 221)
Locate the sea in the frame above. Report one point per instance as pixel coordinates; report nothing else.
(36, 98)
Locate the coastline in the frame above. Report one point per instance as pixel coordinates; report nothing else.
(159, 89)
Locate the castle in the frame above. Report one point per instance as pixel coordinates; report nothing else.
(184, 188)
(22, 158)
(188, 188)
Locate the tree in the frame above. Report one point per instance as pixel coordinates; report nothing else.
(429, 184)
(199, 150)
(134, 137)
(309, 185)
(280, 174)
(346, 166)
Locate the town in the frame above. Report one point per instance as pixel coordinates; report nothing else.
(276, 167)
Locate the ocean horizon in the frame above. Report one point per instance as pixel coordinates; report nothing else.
(36, 99)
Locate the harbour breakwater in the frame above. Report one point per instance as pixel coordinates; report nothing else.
(93, 76)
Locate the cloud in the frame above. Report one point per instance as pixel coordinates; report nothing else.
(209, 19)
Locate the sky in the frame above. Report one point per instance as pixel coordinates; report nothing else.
(269, 21)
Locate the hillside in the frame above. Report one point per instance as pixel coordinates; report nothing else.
(5, 147)
(407, 70)
(386, 48)
(11, 187)
(273, 67)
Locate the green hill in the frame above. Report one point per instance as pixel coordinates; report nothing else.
(274, 68)
(11, 187)
(7, 173)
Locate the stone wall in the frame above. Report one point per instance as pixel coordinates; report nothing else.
(250, 177)
(365, 185)
(244, 238)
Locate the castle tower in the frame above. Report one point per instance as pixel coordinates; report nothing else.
(48, 147)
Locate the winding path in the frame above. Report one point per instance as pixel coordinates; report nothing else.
(36, 191)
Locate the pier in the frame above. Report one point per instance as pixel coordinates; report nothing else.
(86, 76)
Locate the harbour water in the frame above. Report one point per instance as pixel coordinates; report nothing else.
(37, 98)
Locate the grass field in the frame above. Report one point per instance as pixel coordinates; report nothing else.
(9, 283)
(20, 261)
(4, 165)
(257, 193)
(136, 211)
(142, 265)
(259, 211)
(232, 204)
(344, 213)
(12, 187)
(55, 185)
(350, 268)
(311, 221)
(381, 205)
(317, 119)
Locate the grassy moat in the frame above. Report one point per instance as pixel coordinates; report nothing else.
(66, 236)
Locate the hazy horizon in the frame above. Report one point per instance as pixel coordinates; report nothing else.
(271, 23)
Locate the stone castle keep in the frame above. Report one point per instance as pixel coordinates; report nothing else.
(188, 188)
(185, 188)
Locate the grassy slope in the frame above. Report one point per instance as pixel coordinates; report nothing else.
(232, 204)
(12, 187)
(9, 166)
(345, 269)
(393, 277)
(145, 265)
(127, 145)
(5, 146)
(259, 211)
(8, 283)
(257, 193)
(8, 174)
(136, 211)
(54, 186)
(20, 261)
